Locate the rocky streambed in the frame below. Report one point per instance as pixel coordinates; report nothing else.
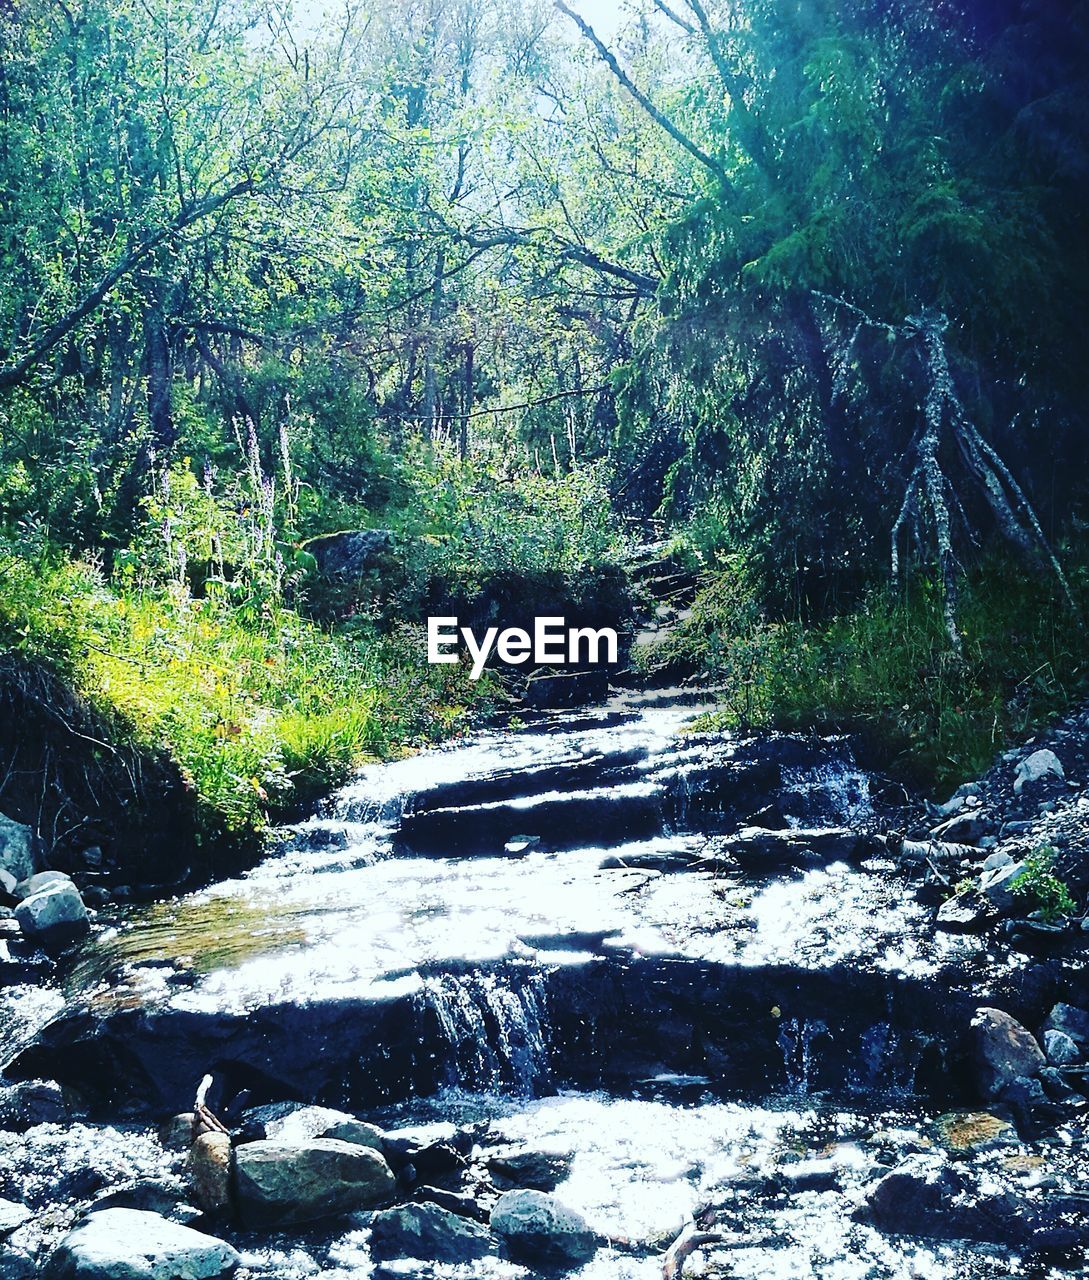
(598, 996)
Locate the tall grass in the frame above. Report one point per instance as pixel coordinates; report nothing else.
(261, 714)
(886, 668)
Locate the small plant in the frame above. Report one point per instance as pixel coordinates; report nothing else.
(1039, 882)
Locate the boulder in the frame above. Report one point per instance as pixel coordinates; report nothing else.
(963, 1133)
(177, 1133)
(1035, 767)
(357, 1131)
(345, 556)
(12, 1217)
(281, 1183)
(996, 886)
(1003, 1051)
(40, 880)
(130, 1244)
(432, 1234)
(290, 1122)
(1072, 1021)
(537, 1228)
(8, 883)
(459, 1202)
(32, 1102)
(18, 848)
(53, 916)
(916, 1197)
(210, 1172)
(1060, 1049)
(539, 1170)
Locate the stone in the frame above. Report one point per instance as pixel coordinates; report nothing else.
(915, 1197)
(290, 1122)
(962, 828)
(30, 1103)
(210, 1172)
(344, 556)
(539, 1170)
(40, 880)
(428, 1159)
(963, 1133)
(459, 1202)
(964, 914)
(8, 883)
(18, 848)
(177, 1133)
(996, 886)
(996, 860)
(1059, 1048)
(357, 1131)
(12, 1217)
(53, 916)
(430, 1233)
(1003, 1050)
(1071, 1020)
(131, 1244)
(1033, 768)
(538, 1228)
(281, 1183)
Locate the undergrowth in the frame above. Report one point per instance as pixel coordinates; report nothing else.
(262, 710)
(886, 670)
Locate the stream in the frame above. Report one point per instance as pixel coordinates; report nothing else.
(561, 938)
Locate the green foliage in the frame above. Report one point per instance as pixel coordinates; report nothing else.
(1039, 883)
(885, 669)
(262, 711)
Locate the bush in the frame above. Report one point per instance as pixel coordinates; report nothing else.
(1039, 882)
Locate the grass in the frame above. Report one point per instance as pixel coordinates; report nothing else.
(886, 669)
(261, 713)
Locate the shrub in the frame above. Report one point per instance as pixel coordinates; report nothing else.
(1039, 882)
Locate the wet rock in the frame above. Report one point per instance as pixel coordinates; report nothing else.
(963, 1133)
(54, 915)
(996, 886)
(357, 1131)
(177, 1133)
(431, 1233)
(18, 848)
(1040, 764)
(760, 847)
(1003, 1051)
(458, 1202)
(41, 880)
(811, 1175)
(30, 1103)
(517, 845)
(12, 1217)
(280, 1183)
(538, 1170)
(995, 861)
(551, 689)
(1059, 1048)
(1058, 1089)
(537, 1228)
(964, 913)
(1071, 1021)
(8, 884)
(915, 1197)
(1030, 1105)
(428, 1159)
(149, 1194)
(130, 1244)
(290, 1122)
(210, 1172)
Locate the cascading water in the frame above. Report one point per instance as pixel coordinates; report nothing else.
(494, 1030)
(796, 1040)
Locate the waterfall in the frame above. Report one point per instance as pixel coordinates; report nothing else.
(493, 1029)
(795, 1039)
